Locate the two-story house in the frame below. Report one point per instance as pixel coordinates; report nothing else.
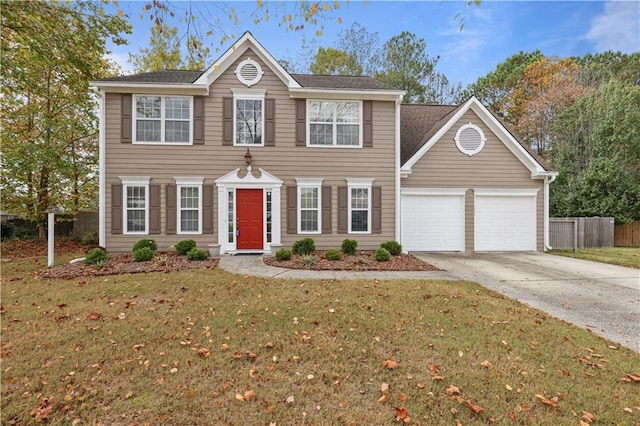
(249, 157)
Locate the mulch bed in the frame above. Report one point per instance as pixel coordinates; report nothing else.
(124, 264)
(361, 261)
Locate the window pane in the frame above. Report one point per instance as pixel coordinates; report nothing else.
(309, 198)
(189, 220)
(189, 197)
(309, 220)
(135, 221)
(359, 221)
(177, 108)
(176, 131)
(136, 197)
(321, 134)
(359, 198)
(348, 134)
(148, 106)
(347, 112)
(148, 130)
(248, 121)
(321, 112)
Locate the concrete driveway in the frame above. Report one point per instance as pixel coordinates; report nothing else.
(600, 297)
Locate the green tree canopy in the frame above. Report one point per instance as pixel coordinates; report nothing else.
(331, 61)
(50, 51)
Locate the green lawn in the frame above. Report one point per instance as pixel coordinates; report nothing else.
(623, 256)
(209, 347)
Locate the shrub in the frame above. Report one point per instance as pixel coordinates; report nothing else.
(393, 247)
(183, 247)
(91, 238)
(303, 247)
(24, 233)
(333, 255)
(95, 256)
(146, 242)
(283, 254)
(197, 254)
(143, 254)
(7, 229)
(383, 255)
(308, 261)
(349, 247)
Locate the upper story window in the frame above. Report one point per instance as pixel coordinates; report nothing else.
(249, 113)
(163, 119)
(335, 123)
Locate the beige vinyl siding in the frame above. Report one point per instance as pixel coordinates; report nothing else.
(285, 160)
(444, 166)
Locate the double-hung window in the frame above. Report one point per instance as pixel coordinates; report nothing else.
(163, 119)
(136, 205)
(359, 205)
(335, 123)
(189, 192)
(309, 205)
(248, 116)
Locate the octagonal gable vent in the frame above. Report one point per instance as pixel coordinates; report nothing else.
(470, 139)
(248, 72)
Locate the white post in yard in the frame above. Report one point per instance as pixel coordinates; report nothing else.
(51, 216)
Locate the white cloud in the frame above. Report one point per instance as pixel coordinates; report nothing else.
(618, 28)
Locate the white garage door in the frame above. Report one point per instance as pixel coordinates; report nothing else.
(505, 220)
(432, 220)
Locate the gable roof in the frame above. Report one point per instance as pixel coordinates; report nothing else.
(164, 76)
(423, 125)
(312, 81)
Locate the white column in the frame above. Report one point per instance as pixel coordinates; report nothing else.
(50, 252)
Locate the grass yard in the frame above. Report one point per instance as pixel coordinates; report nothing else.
(623, 256)
(204, 347)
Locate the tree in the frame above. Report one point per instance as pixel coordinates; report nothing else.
(596, 151)
(357, 42)
(406, 65)
(50, 51)
(494, 89)
(330, 61)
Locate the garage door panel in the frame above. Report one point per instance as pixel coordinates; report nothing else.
(505, 223)
(433, 222)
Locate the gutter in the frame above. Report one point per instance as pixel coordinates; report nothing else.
(547, 180)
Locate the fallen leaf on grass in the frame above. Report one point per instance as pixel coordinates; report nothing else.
(94, 316)
(204, 352)
(390, 364)
(486, 364)
(553, 402)
(402, 415)
(384, 388)
(383, 399)
(290, 399)
(453, 391)
(631, 377)
(475, 408)
(587, 417)
(45, 408)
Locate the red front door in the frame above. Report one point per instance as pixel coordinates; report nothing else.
(249, 220)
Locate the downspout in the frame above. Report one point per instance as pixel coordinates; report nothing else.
(397, 170)
(547, 180)
(101, 171)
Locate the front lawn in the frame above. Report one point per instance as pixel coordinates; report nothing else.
(623, 256)
(209, 347)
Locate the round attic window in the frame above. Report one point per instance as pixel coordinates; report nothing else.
(470, 139)
(248, 72)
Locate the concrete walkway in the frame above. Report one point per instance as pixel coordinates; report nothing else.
(602, 298)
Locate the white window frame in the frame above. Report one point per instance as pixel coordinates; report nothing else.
(312, 183)
(240, 75)
(359, 183)
(248, 94)
(334, 143)
(188, 182)
(162, 120)
(132, 182)
(470, 152)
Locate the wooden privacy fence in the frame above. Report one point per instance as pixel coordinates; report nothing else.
(627, 235)
(580, 232)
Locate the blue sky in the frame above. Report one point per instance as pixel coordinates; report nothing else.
(492, 32)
